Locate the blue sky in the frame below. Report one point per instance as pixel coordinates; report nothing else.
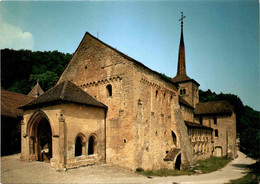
(221, 37)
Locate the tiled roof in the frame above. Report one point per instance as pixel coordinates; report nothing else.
(64, 92)
(184, 102)
(36, 91)
(181, 79)
(10, 102)
(196, 125)
(172, 154)
(216, 107)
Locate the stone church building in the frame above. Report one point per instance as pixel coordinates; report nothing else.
(109, 108)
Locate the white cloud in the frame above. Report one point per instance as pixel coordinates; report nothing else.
(14, 37)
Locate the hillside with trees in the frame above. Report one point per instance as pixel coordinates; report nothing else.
(21, 69)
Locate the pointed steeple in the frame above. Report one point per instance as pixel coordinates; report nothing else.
(181, 71)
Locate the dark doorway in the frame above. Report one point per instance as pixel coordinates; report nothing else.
(44, 141)
(178, 162)
(91, 145)
(78, 147)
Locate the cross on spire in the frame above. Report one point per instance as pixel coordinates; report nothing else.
(181, 19)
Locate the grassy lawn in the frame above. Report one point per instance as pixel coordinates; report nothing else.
(204, 166)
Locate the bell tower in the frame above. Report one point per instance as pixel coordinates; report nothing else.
(189, 88)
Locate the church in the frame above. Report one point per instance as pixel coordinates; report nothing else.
(109, 108)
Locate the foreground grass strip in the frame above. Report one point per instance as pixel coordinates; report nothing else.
(249, 178)
(204, 166)
(211, 164)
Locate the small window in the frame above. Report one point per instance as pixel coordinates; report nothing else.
(156, 93)
(215, 120)
(174, 138)
(109, 90)
(164, 95)
(181, 91)
(184, 91)
(78, 147)
(124, 140)
(201, 120)
(91, 145)
(216, 133)
(86, 67)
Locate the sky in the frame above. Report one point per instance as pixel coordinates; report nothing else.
(221, 37)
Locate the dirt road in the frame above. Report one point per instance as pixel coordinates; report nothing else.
(15, 171)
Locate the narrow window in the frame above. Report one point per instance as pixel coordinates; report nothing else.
(215, 120)
(184, 91)
(156, 93)
(216, 133)
(181, 91)
(91, 145)
(174, 138)
(78, 147)
(109, 90)
(201, 120)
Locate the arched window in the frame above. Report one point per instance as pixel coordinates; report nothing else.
(216, 133)
(91, 145)
(174, 138)
(109, 90)
(78, 146)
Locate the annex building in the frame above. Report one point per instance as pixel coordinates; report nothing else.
(109, 108)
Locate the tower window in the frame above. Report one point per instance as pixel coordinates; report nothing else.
(156, 93)
(109, 90)
(215, 120)
(216, 133)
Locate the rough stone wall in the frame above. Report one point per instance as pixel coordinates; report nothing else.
(192, 92)
(226, 140)
(76, 119)
(187, 113)
(153, 128)
(201, 143)
(93, 67)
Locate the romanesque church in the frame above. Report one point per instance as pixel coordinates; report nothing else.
(109, 108)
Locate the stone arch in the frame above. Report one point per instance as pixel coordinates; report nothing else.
(80, 145)
(40, 132)
(92, 144)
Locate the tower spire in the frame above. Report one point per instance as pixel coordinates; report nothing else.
(181, 58)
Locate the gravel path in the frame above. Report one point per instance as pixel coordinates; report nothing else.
(15, 171)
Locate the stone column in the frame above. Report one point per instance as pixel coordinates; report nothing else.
(62, 143)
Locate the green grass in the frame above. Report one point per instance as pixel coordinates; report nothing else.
(211, 164)
(205, 166)
(250, 178)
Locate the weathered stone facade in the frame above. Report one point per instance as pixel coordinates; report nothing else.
(149, 121)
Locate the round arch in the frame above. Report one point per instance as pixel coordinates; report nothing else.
(40, 134)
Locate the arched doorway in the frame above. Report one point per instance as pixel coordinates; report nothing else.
(40, 142)
(45, 141)
(178, 162)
